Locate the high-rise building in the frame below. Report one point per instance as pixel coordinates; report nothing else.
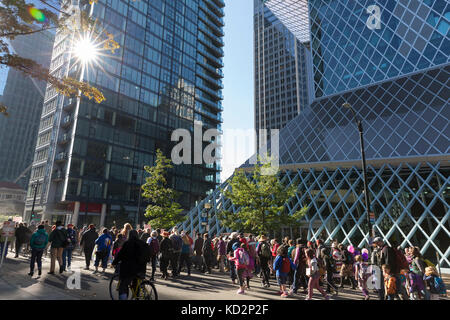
(23, 96)
(390, 61)
(166, 75)
(283, 85)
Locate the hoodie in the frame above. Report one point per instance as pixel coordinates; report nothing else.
(40, 233)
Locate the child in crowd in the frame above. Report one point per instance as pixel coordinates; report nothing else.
(361, 275)
(241, 260)
(390, 288)
(434, 283)
(282, 266)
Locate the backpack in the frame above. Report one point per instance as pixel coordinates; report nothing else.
(177, 243)
(439, 285)
(348, 258)
(400, 260)
(265, 250)
(285, 265)
(154, 247)
(145, 255)
(243, 258)
(39, 240)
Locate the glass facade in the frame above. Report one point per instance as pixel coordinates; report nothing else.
(396, 77)
(166, 75)
(350, 50)
(23, 96)
(281, 75)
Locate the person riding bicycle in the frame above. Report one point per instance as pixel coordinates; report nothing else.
(133, 258)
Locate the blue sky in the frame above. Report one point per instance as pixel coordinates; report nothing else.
(238, 81)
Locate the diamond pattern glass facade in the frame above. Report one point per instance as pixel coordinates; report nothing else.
(413, 35)
(397, 80)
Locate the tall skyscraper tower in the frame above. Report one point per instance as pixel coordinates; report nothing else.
(166, 75)
(23, 96)
(283, 83)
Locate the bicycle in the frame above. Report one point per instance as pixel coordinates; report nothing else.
(140, 288)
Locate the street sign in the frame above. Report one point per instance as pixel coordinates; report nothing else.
(8, 229)
(372, 217)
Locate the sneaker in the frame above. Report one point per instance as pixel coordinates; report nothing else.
(291, 292)
(87, 268)
(39, 272)
(308, 298)
(366, 298)
(30, 274)
(234, 281)
(285, 295)
(240, 291)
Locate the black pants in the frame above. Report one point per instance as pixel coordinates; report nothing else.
(18, 247)
(185, 258)
(88, 255)
(265, 269)
(164, 263)
(174, 261)
(36, 257)
(207, 263)
(153, 262)
(330, 284)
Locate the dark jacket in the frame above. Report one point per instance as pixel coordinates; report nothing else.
(387, 256)
(21, 234)
(230, 245)
(58, 238)
(72, 234)
(145, 236)
(207, 248)
(166, 247)
(88, 239)
(129, 258)
(198, 246)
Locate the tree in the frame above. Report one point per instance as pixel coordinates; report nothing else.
(19, 18)
(260, 202)
(163, 211)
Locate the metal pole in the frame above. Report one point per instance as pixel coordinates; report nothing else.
(86, 205)
(4, 250)
(364, 168)
(438, 264)
(139, 200)
(34, 200)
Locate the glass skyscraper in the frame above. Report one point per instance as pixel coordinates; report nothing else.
(390, 61)
(166, 75)
(282, 80)
(23, 96)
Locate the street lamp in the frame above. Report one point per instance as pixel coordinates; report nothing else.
(363, 156)
(206, 222)
(35, 187)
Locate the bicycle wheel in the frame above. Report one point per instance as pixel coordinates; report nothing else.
(114, 287)
(146, 291)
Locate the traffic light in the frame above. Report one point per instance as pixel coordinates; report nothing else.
(33, 215)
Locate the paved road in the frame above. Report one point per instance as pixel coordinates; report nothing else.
(16, 284)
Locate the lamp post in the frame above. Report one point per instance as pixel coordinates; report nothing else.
(207, 207)
(364, 167)
(35, 187)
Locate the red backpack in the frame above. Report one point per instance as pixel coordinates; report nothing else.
(400, 260)
(286, 265)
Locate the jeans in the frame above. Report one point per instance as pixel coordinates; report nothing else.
(174, 262)
(1, 248)
(18, 247)
(299, 279)
(36, 257)
(67, 257)
(164, 263)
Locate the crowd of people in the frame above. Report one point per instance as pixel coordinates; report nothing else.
(391, 272)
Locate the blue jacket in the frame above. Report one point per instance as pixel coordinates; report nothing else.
(104, 242)
(279, 262)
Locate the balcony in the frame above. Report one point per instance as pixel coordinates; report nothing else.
(64, 139)
(220, 3)
(217, 62)
(215, 93)
(217, 9)
(67, 121)
(216, 40)
(61, 157)
(211, 24)
(211, 14)
(207, 66)
(215, 82)
(216, 105)
(205, 40)
(215, 117)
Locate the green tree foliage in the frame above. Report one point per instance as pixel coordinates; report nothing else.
(260, 202)
(163, 211)
(19, 18)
